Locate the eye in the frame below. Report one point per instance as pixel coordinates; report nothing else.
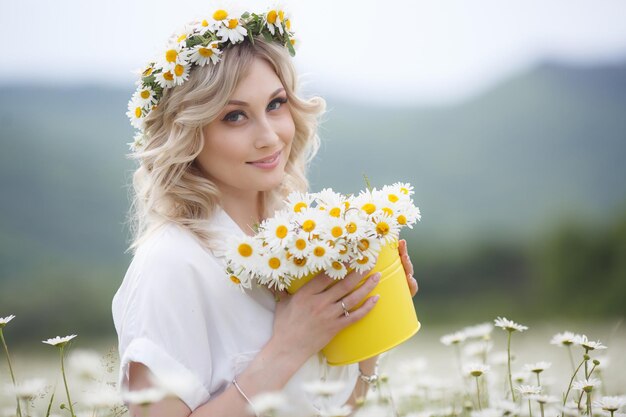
(277, 103)
(233, 116)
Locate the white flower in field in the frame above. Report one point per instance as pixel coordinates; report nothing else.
(85, 364)
(521, 377)
(508, 325)
(144, 396)
(323, 388)
(476, 369)
(59, 341)
(610, 404)
(335, 411)
(105, 397)
(528, 390)
(506, 407)
(5, 320)
(269, 403)
(28, 389)
(544, 399)
(537, 367)
(588, 344)
(487, 412)
(478, 348)
(563, 339)
(453, 338)
(586, 385)
(479, 331)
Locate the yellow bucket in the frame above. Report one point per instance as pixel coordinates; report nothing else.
(392, 320)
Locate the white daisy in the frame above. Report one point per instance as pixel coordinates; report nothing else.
(145, 96)
(509, 325)
(588, 344)
(337, 270)
(165, 79)
(273, 269)
(363, 264)
(136, 112)
(244, 252)
(356, 225)
(242, 278)
(404, 188)
(201, 54)
(311, 221)
(564, 339)
(610, 404)
(537, 367)
(586, 385)
(300, 246)
(277, 231)
(386, 227)
(105, 397)
(85, 364)
(528, 390)
(453, 338)
(27, 389)
(543, 399)
(336, 229)
(408, 215)
(365, 201)
(334, 203)
(232, 30)
(139, 141)
(478, 348)
(369, 247)
(476, 369)
(5, 320)
(321, 255)
(479, 331)
(298, 266)
(297, 201)
(274, 20)
(59, 341)
(521, 377)
(269, 403)
(175, 54)
(145, 396)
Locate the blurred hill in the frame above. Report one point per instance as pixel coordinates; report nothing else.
(508, 165)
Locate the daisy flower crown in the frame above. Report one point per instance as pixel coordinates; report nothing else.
(201, 43)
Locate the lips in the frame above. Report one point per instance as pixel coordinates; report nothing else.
(267, 160)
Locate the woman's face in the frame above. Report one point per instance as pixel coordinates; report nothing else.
(246, 147)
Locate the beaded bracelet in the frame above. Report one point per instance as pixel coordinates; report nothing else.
(244, 396)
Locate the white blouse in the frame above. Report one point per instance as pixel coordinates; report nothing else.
(177, 313)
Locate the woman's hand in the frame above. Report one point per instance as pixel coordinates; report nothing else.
(408, 267)
(309, 319)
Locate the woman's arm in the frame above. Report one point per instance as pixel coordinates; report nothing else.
(303, 324)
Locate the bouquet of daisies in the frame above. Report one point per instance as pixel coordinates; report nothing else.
(324, 231)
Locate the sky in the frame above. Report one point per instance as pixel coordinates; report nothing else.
(392, 51)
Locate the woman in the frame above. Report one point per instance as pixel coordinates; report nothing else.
(222, 150)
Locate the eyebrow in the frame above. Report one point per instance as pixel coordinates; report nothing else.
(243, 103)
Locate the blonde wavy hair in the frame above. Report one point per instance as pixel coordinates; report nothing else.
(168, 185)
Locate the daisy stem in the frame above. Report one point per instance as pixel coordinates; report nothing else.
(571, 358)
(530, 409)
(538, 381)
(589, 404)
(580, 399)
(6, 352)
(478, 393)
(541, 408)
(67, 391)
(571, 381)
(586, 364)
(508, 351)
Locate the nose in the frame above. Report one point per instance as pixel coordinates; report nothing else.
(266, 134)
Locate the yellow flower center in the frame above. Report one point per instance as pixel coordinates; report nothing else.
(382, 228)
(232, 23)
(274, 263)
(336, 231)
(344, 250)
(363, 260)
(205, 23)
(179, 70)
(168, 76)
(171, 55)
(308, 225)
(281, 231)
(235, 279)
(402, 219)
(271, 16)
(293, 41)
(387, 211)
(319, 251)
(351, 227)
(205, 52)
(364, 244)
(220, 14)
(369, 208)
(337, 265)
(147, 72)
(182, 38)
(138, 112)
(288, 24)
(335, 211)
(299, 261)
(244, 250)
(299, 206)
(393, 198)
(404, 190)
(281, 15)
(301, 244)
(145, 94)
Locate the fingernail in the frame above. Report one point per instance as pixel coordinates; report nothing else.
(375, 298)
(376, 277)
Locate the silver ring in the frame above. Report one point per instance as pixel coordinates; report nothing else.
(345, 310)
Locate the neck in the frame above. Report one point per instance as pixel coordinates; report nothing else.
(244, 208)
